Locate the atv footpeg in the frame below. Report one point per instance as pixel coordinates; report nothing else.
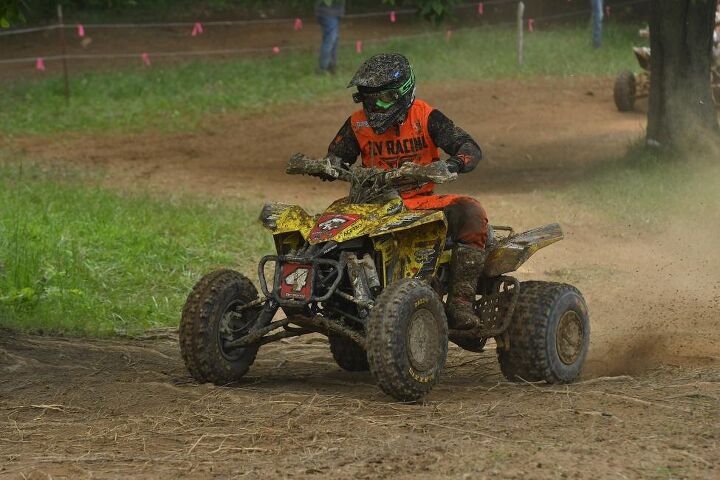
(494, 310)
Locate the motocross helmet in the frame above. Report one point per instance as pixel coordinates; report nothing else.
(386, 88)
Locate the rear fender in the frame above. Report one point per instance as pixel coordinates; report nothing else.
(513, 251)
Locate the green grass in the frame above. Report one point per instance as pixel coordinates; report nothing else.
(180, 97)
(77, 258)
(651, 190)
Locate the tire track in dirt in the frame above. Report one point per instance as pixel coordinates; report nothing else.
(137, 413)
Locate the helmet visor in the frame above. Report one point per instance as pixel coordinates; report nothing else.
(377, 101)
(384, 99)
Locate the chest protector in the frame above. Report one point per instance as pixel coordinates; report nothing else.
(408, 142)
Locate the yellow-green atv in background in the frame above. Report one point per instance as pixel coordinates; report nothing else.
(372, 275)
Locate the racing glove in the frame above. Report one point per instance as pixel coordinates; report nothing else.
(455, 164)
(333, 162)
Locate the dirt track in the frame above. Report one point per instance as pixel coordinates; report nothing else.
(111, 408)
(537, 135)
(83, 409)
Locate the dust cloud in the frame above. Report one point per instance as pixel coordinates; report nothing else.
(663, 304)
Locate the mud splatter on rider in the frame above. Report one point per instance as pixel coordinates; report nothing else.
(393, 127)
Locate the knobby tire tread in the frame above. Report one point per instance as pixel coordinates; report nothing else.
(195, 324)
(624, 91)
(383, 344)
(527, 358)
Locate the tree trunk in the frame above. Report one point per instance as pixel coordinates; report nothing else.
(681, 109)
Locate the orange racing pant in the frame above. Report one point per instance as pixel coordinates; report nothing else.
(467, 220)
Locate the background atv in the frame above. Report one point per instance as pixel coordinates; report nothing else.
(371, 275)
(631, 86)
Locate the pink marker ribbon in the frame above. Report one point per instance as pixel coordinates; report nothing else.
(80, 30)
(481, 8)
(40, 64)
(298, 24)
(197, 29)
(358, 46)
(393, 17)
(276, 50)
(531, 25)
(146, 59)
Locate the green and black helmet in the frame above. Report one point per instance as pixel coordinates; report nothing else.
(386, 88)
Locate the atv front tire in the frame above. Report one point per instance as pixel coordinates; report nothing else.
(208, 320)
(407, 339)
(625, 91)
(347, 354)
(549, 334)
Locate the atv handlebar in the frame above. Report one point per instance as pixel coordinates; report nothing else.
(331, 167)
(408, 175)
(436, 172)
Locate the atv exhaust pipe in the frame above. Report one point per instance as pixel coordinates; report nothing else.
(363, 277)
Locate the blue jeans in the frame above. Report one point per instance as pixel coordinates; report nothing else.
(330, 37)
(597, 18)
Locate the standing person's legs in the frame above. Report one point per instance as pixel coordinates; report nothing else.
(333, 53)
(330, 29)
(597, 18)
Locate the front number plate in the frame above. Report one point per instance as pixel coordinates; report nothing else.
(296, 281)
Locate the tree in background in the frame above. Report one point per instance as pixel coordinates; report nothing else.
(10, 12)
(681, 110)
(431, 10)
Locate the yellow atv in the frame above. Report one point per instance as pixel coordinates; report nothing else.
(371, 275)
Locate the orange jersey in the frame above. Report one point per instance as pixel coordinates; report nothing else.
(410, 142)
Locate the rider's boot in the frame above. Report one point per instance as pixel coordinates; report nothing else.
(465, 268)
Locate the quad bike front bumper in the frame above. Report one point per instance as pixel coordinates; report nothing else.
(299, 281)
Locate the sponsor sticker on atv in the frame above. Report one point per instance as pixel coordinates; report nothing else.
(296, 281)
(330, 225)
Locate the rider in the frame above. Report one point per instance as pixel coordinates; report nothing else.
(392, 128)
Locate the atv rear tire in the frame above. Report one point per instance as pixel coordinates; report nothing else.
(549, 334)
(407, 339)
(625, 91)
(206, 324)
(347, 354)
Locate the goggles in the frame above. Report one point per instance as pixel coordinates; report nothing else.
(385, 99)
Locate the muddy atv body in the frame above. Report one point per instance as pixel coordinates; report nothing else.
(372, 276)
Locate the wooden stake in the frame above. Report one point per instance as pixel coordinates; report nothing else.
(521, 30)
(64, 53)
